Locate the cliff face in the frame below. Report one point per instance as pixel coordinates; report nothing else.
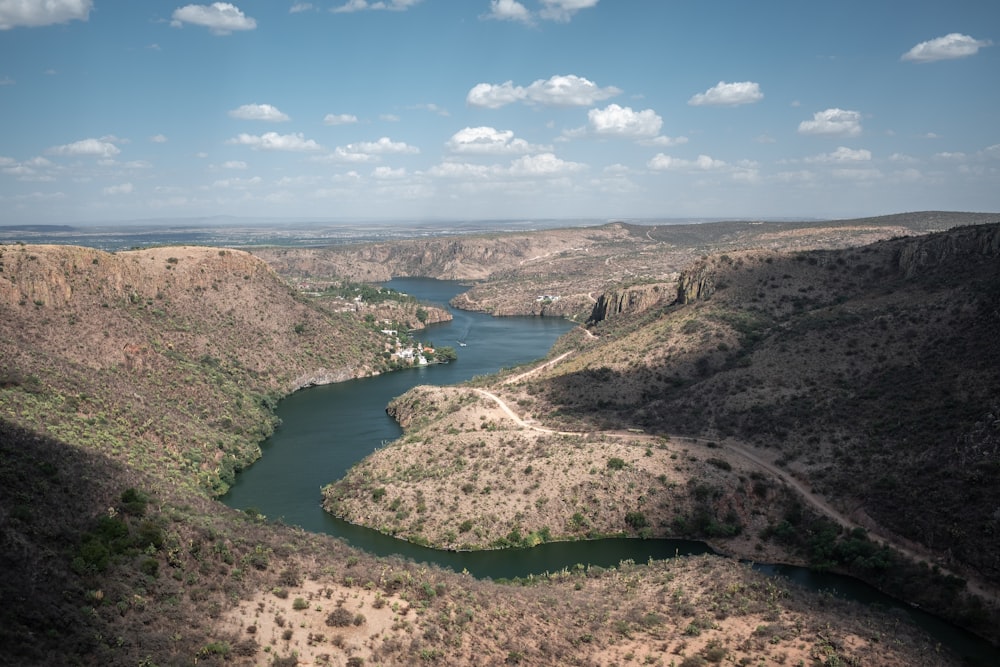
(633, 299)
(920, 254)
(695, 284)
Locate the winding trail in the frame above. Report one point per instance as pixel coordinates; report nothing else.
(974, 585)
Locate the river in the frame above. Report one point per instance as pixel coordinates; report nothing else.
(325, 430)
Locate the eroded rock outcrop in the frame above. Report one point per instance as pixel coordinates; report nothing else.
(695, 284)
(922, 253)
(628, 300)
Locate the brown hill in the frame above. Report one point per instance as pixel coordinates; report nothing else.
(156, 371)
(868, 377)
(513, 274)
(194, 344)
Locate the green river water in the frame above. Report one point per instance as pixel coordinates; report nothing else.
(325, 430)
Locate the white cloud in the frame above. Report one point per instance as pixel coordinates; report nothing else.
(559, 90)
(91, 147)
(220, 17)
(949, 47)
(509, 10)
(843, 154)
(834, 122)
(543, 164)
(624, 122)
(383, 146)
(902, 158)
(158, 139)
(237, 183)
(122, 189)
(462, 170)
(272, 141)
(490, 141)
(234, 164)
(664, 141)
(259, 112)
(388, 173)
(563, 10)
(389, 117)
(494, 96)
(362, 5)
(340, 119)
(300, 7)
(662, 162)
(28, 13)
(729, 94)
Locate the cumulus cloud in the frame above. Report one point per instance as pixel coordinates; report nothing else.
(559, 90)
(158, 139)
(563, 10)
(362, 5)
(543, 164)
(949, 47)
(24, 13)
(259, 112)
(490, 141)
(833, 122)
(729, 94)
(87, 147)
(843, 154)
(624, 122)
(662, 162)
(234, 164)
(340, 119)
(509, 10)
(384, 146)
(272, 141)
(221, 18)
(122, 189)
(300, 7)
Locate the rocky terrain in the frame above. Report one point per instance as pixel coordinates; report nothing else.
(133, 386)
(866, 375)
(562, 272)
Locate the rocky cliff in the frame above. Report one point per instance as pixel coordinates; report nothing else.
(917, 255)
(634, 299)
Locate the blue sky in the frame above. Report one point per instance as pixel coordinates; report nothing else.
(496, 109)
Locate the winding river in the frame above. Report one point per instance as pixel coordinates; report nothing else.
(325, 430)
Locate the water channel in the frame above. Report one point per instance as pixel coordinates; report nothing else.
(325, 430)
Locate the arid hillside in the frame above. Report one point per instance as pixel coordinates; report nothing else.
(837, 407)
(168, 357)
(133, 384)
(560, 272)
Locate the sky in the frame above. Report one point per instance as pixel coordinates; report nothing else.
(117, 110)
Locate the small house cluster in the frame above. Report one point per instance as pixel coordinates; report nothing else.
(411, 354)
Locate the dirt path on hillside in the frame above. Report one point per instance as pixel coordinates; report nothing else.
(818, 503)
(521, 376)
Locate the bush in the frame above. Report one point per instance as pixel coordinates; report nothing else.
(615, 463)
(636, 520)
(299, 604)
(339, 618)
